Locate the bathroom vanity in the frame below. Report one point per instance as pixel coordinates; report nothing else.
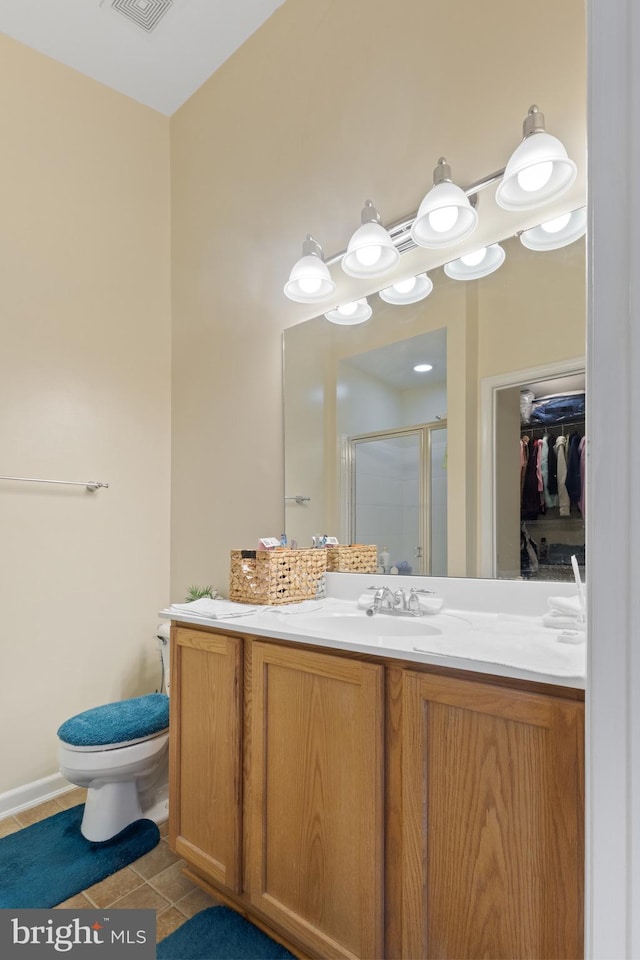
(376, 804)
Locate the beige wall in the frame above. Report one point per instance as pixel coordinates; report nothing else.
(532, 311)
(327, 105)
(84, 394)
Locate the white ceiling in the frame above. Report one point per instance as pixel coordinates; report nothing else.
(393, 364)
(161, 68)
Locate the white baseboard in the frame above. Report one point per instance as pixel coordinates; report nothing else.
(31, 794)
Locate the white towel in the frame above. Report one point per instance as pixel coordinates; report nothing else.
(301, 606)
(428, 603)
(564, 612)
(570, 606)
(560, 621)
(214, 609)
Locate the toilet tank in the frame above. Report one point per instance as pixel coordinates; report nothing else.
(163, 634)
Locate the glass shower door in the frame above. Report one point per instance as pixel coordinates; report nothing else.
(398, 496)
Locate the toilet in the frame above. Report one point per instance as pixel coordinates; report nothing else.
(119, 752)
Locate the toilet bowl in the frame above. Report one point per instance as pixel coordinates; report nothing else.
(119, 752)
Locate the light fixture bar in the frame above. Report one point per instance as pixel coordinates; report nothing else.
(484, 182)
(400, 230)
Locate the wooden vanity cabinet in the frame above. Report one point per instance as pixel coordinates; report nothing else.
(315, 798)
(491, 821)
(360, 808)
(205, 753)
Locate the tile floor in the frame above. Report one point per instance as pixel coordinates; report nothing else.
(155, 881)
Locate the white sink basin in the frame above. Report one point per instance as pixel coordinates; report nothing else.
(358, 626)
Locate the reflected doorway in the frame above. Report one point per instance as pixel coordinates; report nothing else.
(532, 518)
(397, 496)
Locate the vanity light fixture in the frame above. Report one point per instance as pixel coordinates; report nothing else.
(556, 233)
(479, 263)
(538, 172)
(310, 280)
(446, 215)
(423, 367)
(371, 251)
(348, 314)
(539, 169)
(407, 291)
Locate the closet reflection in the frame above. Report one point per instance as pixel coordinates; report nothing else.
(541, 425)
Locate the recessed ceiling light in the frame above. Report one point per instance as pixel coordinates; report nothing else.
(423, 367)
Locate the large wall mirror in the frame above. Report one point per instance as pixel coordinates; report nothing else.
(428, 465)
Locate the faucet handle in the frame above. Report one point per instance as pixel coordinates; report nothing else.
(412, 602)
(431, 593)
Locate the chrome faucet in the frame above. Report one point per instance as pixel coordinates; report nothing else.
(396, 602)
(384, 600)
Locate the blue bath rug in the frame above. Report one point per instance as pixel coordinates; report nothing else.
(219, 933)
(50, 861)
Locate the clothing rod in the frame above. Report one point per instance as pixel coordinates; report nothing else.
(534, 425)
(89, 484)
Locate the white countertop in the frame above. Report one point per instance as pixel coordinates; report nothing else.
(484, 641)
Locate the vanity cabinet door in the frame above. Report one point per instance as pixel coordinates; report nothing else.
(315, 796)
(205, 756)
(492, 822)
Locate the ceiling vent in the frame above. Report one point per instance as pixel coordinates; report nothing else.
(145, 13)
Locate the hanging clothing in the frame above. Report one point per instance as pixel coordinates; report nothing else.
(563, 495)
(552, 481)
(583, 470)
(538, 446)
(550, 500)
(524, 459)
(572, 481)
(530, 503)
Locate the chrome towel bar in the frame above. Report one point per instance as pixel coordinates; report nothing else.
(89, 484)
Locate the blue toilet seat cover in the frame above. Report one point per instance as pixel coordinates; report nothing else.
(117, 722)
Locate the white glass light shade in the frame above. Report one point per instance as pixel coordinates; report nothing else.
(309, 280)
(539, 170)
(445, 216)
(407, 291)
(473, 269)
(349, 314)
(554, 234)
(370, 253)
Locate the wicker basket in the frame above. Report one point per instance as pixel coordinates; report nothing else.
(358, 558)
(276, 576)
